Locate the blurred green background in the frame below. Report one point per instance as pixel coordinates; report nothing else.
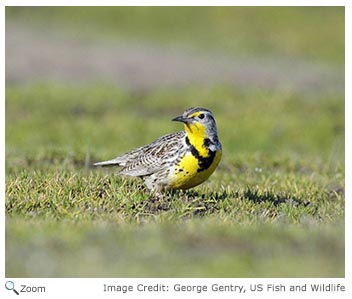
(85, 84)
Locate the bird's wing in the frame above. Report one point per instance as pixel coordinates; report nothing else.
(147, 159)
(150, 158)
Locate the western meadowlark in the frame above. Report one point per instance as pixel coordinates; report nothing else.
(180, 160)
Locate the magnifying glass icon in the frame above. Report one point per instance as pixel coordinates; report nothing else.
(11, 286)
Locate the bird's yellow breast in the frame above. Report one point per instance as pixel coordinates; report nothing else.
(188, 172)
(198, 162)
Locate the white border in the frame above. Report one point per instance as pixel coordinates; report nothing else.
(82, 287)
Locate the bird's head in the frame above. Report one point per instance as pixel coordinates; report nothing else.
(199, 123)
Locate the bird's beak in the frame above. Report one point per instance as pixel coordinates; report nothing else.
(181, 118)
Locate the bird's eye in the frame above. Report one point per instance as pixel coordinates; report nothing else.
(201, 116)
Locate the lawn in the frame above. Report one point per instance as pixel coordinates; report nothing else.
(273, 208)
(277, 196)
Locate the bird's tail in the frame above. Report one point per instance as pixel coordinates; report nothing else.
(115, 161)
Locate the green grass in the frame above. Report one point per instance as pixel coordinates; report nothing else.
(198, 247)
(274, 207)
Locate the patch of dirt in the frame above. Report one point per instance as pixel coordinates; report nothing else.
(34, 55)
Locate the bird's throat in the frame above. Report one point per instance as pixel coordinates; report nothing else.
(196, 135)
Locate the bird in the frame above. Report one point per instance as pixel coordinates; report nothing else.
(180, 160)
